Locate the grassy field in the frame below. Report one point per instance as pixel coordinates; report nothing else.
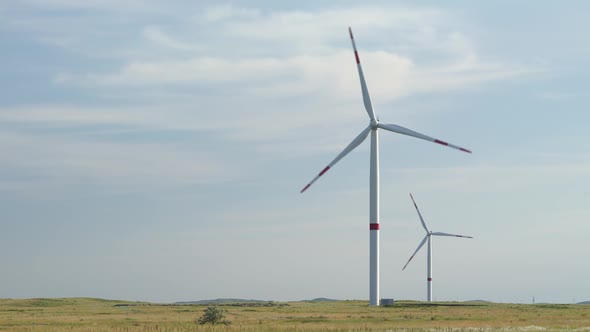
(84, 314)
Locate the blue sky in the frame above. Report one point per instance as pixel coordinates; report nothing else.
(155, 151)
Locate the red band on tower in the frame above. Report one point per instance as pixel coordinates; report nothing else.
(429, 279)
(374, 227)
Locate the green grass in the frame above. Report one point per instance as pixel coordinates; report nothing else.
(86, 314)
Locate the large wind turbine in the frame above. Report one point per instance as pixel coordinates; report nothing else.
(374, 126)
(429, 234)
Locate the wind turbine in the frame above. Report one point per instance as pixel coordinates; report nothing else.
(429, 234)
(373, 127)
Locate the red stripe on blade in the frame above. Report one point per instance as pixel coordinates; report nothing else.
(465, 150)
(356, 55)
(304, 189)
(324, 170)
(374, 227)
(440, 142)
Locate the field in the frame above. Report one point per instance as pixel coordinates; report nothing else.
(85, 314)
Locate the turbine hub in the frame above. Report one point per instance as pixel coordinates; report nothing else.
(374, 124)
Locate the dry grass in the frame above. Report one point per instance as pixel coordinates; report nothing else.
(82, 314)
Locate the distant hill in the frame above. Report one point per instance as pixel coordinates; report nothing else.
(222, 301)
(478, 301)
(232, 300)
(320, 299)
(585, 302)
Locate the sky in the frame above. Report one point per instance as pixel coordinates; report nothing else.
(154, 151)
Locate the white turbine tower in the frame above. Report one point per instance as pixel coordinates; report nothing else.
(373, 127)
(429, 234)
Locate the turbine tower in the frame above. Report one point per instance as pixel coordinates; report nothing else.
(373, 127)
(428, 236)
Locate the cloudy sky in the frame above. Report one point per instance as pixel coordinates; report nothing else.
(155, 150)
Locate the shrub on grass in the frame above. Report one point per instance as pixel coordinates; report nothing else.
(213, 315)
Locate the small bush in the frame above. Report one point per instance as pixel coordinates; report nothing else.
(213, 315)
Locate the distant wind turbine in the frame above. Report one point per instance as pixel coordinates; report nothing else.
(429, 234)
(374, 126)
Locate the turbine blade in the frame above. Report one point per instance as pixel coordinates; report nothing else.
(408, 132)
(355, 142)
(453, 235)
(366, 97)
(420, 246)
(419, 214)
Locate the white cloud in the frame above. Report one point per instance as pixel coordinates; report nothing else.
(494, 178)
(53, 160)
(306, 57)
(388, 75)
(159, 37)
(228, 11)
(146, 117)
(200, 70)
(309, 53)
(105, 5)
(285, 53)
(317, 27)
(555, 96)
